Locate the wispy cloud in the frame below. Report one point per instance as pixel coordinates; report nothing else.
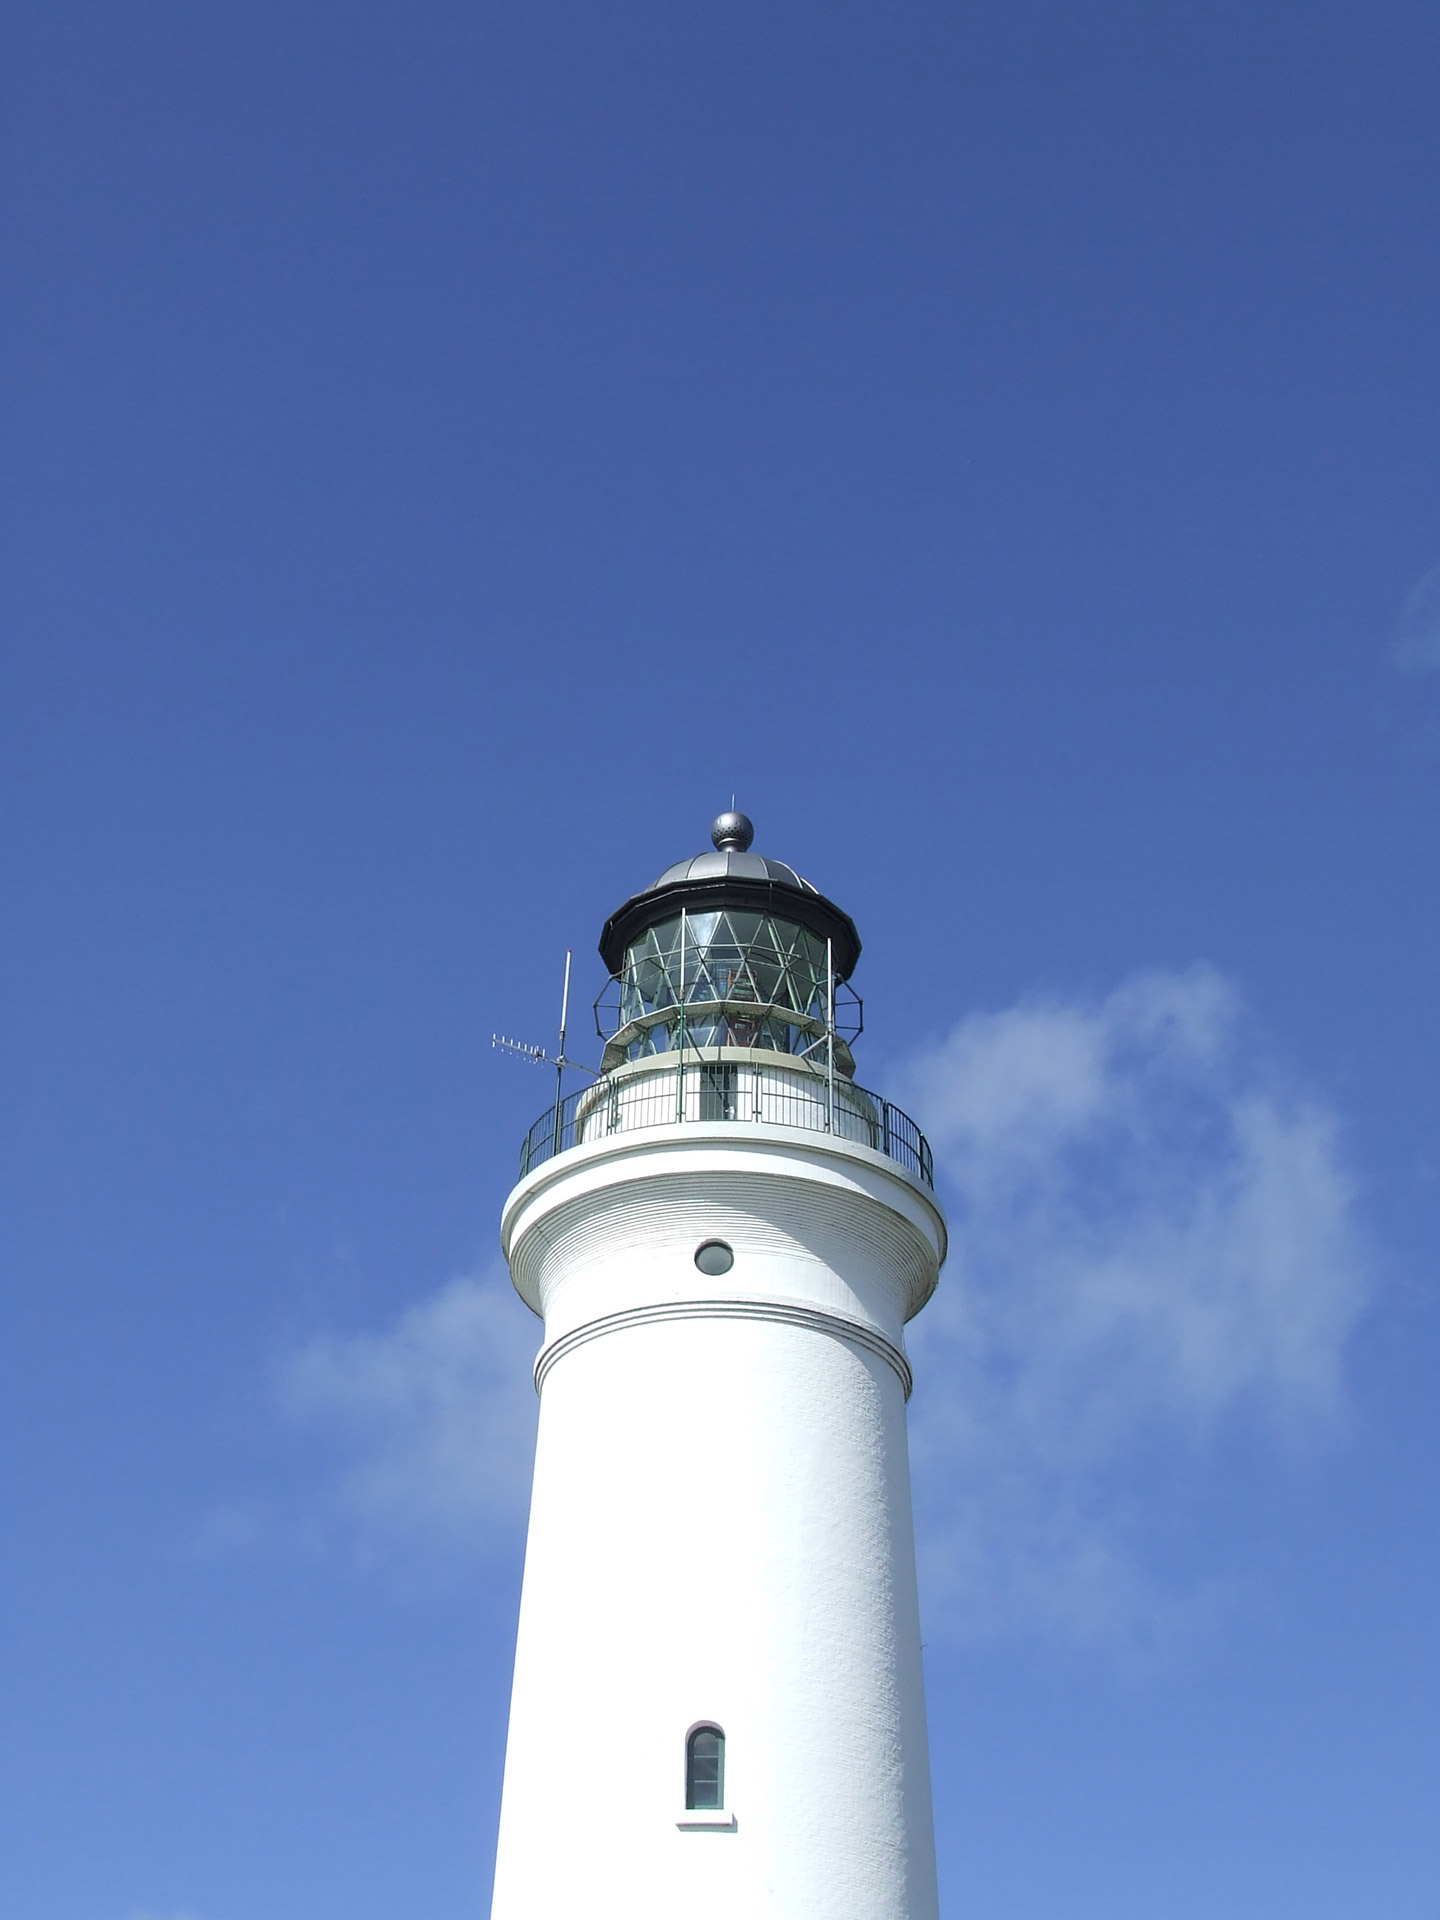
(1154, 1244)
(1417, 640)
(430, 1421)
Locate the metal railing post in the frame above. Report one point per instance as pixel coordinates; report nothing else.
(830, 1036)
(680, 1068)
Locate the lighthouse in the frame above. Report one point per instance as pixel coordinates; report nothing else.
(718, 1710)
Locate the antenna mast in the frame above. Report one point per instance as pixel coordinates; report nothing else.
(564, 1018)
(561, 1060)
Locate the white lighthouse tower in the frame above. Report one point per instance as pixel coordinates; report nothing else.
(718, 1708)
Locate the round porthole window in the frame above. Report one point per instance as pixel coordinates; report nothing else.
(714, 1257)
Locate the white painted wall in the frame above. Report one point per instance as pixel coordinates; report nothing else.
(720, 1530)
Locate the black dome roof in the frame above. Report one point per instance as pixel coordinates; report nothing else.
(731, 876)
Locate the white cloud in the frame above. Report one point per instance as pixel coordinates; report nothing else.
(1153, 1246)
(432, 1420)
(1154, 1250)
(1417, 642)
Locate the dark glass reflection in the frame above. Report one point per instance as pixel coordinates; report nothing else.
(705, 1769)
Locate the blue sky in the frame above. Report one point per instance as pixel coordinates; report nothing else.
(448, 450)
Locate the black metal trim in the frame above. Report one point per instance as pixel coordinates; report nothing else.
(810, 910)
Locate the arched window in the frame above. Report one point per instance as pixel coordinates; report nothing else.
(705, 1769)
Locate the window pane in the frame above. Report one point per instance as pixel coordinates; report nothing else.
(705, 1769)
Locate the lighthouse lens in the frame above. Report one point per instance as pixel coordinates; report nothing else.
(720, 979)
(714, 1257)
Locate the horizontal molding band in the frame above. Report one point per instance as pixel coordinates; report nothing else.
(836, 1325)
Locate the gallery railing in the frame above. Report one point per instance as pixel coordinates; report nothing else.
(707, 1091)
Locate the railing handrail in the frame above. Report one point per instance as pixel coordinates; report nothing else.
(859, 1115)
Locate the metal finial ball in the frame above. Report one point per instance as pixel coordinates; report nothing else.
(732, 833)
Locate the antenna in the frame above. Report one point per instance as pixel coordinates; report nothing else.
(518, 1046)
(559, 1060)
(564, 1017)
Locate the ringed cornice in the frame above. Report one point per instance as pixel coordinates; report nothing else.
(785, 1313)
